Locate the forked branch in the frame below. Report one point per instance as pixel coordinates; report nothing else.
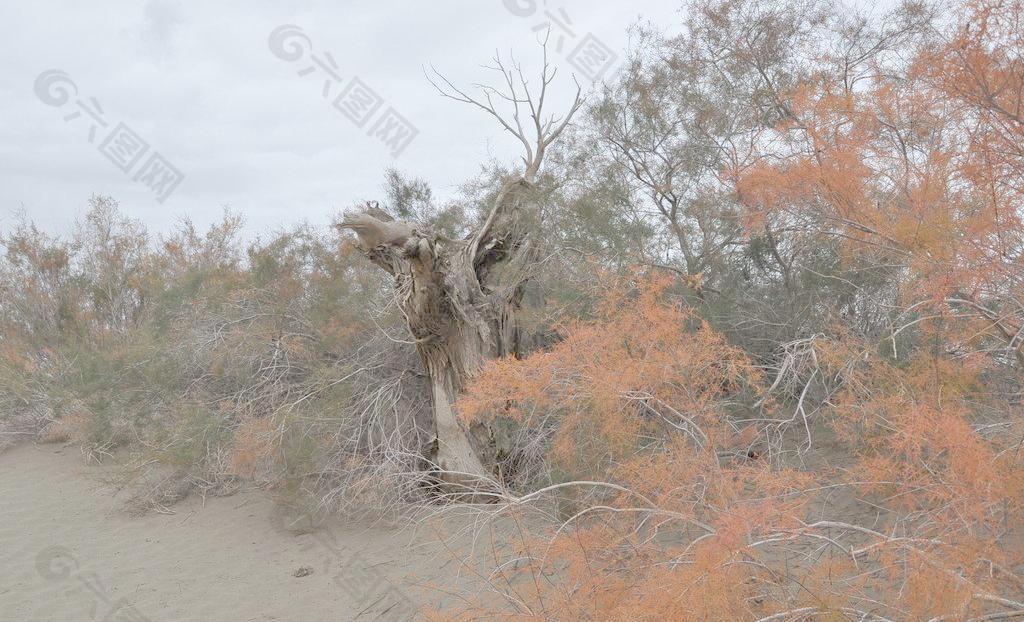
(528, 122)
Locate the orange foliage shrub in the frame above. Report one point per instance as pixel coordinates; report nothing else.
(920, 165)
(915, 516)
(627, 374)
(908, 503)
(642, 395)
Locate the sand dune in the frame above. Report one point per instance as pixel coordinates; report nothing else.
(68, 551)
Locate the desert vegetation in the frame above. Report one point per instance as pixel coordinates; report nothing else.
(740, 337)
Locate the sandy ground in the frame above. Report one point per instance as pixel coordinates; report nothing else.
(68, 551)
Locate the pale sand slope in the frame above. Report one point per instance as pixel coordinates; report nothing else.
(68, 551)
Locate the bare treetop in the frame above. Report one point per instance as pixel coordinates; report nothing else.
(527, 122)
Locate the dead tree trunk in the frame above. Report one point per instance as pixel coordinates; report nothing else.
(462, 299)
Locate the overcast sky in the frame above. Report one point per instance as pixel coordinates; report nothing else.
(146, 90)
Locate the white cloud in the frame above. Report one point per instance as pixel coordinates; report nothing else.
(199, 84)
